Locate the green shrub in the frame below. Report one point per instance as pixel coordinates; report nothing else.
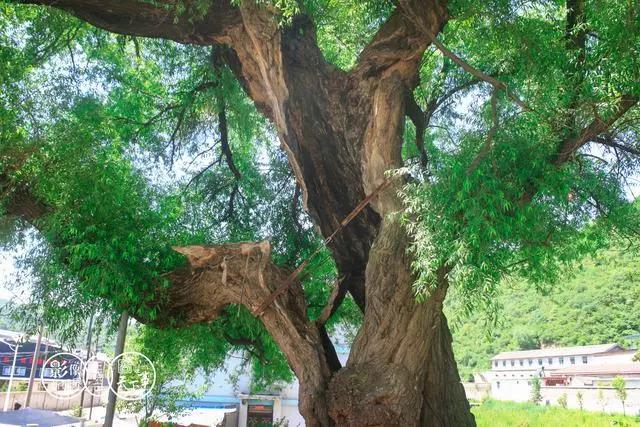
(562, 400)
(580, 398)
(536, 397)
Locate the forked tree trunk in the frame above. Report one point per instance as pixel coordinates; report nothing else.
(342, 132)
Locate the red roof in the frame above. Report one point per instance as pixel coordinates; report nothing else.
(558, 352)
(630, 368)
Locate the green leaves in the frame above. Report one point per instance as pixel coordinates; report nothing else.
(496, 202)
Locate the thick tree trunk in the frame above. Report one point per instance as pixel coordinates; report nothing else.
(342, 132)
(401, 370)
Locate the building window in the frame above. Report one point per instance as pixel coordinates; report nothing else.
(540, 362)
(530, 362)
(20, 371)
(504, 363)
(513, 363)
(495, 363)
(561, 360)
(550, 360)
(572, 360)
(497, 384)
(584, 359)
(521, 362)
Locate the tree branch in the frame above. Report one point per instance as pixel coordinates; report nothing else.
(569, 146)
(254, 347)
(400, 42)
(419, 119)
(497, 84)
(224, 141)
(486, 148)
(434, 104)
(609, 141)
(160, 19)
(595, 128)
(335, 300)
(217, 276)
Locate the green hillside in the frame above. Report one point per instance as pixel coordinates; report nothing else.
(599, 303)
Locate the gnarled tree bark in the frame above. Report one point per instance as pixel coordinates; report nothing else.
(342, 132)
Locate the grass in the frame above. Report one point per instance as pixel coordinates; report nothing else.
(493, 413)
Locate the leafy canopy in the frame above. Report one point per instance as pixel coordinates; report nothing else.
(121, 138)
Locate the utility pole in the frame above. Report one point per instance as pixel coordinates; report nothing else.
(86, 358)
(46, 357)
(34, 367)
(115, 374)
(13, 370)
(96, 352)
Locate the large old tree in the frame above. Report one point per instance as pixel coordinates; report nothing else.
(411, 193)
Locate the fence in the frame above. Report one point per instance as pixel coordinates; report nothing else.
(43, 400)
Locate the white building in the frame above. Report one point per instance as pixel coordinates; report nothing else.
(588, 370)
(276, 404)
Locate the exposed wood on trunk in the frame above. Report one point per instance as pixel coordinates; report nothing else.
(242, 273)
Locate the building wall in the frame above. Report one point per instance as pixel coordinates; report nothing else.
(594, 399)
(477, 391)
(632, 381)
(290, 412)
(517, 390)
(520, 391)
(624, 356)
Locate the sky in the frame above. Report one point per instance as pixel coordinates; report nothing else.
(11, 274)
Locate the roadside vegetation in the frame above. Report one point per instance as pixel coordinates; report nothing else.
(493, 413)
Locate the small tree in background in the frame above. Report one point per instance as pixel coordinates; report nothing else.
(536, 396)
(175, 370)
(602, 401)
(562, 400)
(620, 385)
(580, 398)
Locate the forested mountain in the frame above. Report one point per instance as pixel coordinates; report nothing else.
(598, 303)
